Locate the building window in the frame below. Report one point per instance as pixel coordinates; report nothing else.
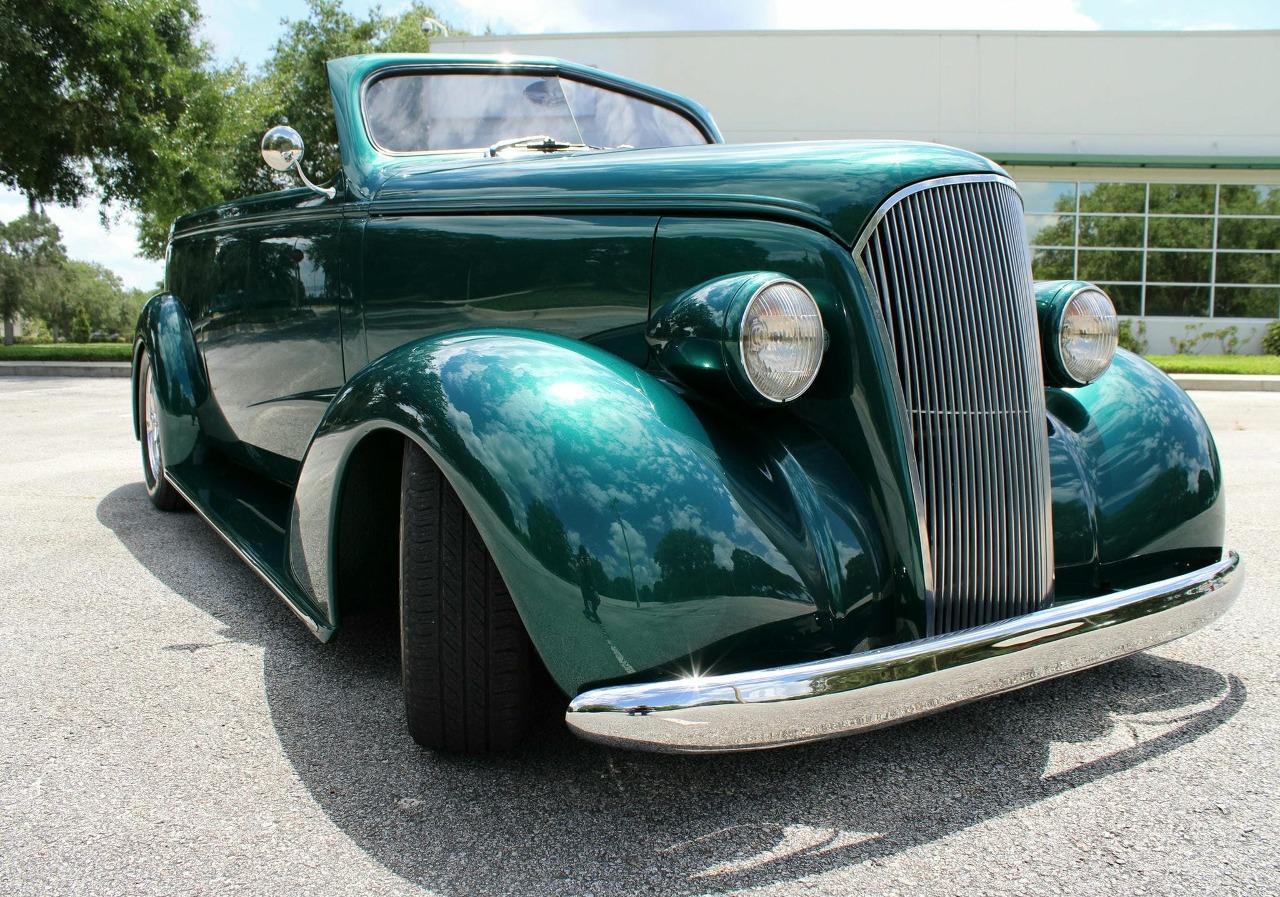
(1185, 250)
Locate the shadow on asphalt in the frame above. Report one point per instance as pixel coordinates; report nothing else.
(564, 816)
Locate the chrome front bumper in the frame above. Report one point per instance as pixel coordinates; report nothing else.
(857, 692)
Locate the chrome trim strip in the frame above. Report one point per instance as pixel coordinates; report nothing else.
(263, 219)
(870, 227)
(321, 632)
(858, 692)
(904, 422)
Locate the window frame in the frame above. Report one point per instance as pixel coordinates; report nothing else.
(1213, 250)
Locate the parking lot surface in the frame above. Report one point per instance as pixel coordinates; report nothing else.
(168, 727)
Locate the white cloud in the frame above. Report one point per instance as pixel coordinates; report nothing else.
(630, 556)
(85, 238)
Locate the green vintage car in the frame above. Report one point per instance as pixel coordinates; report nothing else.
(744, 446)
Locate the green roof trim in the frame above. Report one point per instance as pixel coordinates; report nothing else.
(1134, 161)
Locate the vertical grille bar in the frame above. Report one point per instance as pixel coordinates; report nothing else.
(951, 272)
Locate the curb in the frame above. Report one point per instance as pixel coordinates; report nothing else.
(1189, 382)
(65, 369)
(1228, 382)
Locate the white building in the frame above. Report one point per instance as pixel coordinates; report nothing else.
(1149, 161)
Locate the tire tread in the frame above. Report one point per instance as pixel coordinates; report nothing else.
(466, 660)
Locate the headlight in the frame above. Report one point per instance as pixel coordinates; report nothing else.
(1079, 332)
(756, 336)
(781, 340)
(1088, 333)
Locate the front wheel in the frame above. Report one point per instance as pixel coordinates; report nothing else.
(467, 665)
(162, 495)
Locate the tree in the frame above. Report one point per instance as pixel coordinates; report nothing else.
(753, 575)
(121, 99)
(689, 568)
(95, 94)
(197, 167)
(83, 300)
(548, 539)
(30, 253)
(222, 132)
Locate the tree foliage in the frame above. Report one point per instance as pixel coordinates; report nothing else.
(121, 99)
(292, 88)
(95, 93)
(58, 297)
(85, 301)
(549, 540)
(1271, 339)
(31, 258)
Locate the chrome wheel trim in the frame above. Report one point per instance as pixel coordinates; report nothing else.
(151, 428)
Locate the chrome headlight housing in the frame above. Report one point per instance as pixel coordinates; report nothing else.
(758, 334)
(1079, 332)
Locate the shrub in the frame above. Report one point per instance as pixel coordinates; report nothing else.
(1228, 337)
(1133, 335)
(1184, 344)
(81, 326)
(1271, 339)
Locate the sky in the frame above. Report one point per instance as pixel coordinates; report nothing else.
(246, 30)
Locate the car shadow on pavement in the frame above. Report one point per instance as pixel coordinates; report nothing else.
(563, 816)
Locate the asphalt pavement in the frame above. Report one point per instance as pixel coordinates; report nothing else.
(168, 727)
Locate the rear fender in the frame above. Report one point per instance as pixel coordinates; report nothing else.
(632, 538)
(164, 331)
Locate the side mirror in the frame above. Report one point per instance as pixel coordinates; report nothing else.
(282, 149)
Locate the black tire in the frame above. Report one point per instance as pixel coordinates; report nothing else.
(467, 666)
(162, 495)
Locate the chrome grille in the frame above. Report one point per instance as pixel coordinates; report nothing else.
(948, 263)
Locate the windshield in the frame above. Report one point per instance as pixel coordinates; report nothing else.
(418, 112)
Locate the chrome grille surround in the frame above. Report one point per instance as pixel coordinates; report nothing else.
(947, 265)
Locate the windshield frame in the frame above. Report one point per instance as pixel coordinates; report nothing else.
(534, 69)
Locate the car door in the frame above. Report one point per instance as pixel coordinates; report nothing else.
(272, 340)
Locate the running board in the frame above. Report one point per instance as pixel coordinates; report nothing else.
(253, 520)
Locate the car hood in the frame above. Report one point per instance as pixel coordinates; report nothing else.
(833, 185)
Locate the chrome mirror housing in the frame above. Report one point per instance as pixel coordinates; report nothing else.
(282, 149)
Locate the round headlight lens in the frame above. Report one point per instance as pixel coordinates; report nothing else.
(781, 340)
(1087, 335)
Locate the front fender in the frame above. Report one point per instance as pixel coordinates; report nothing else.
(164, 331)
(632, 535)
(1138, 482)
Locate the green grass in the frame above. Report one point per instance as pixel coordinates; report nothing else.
(1217, 364)
(1173, 364)
(68, 352)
